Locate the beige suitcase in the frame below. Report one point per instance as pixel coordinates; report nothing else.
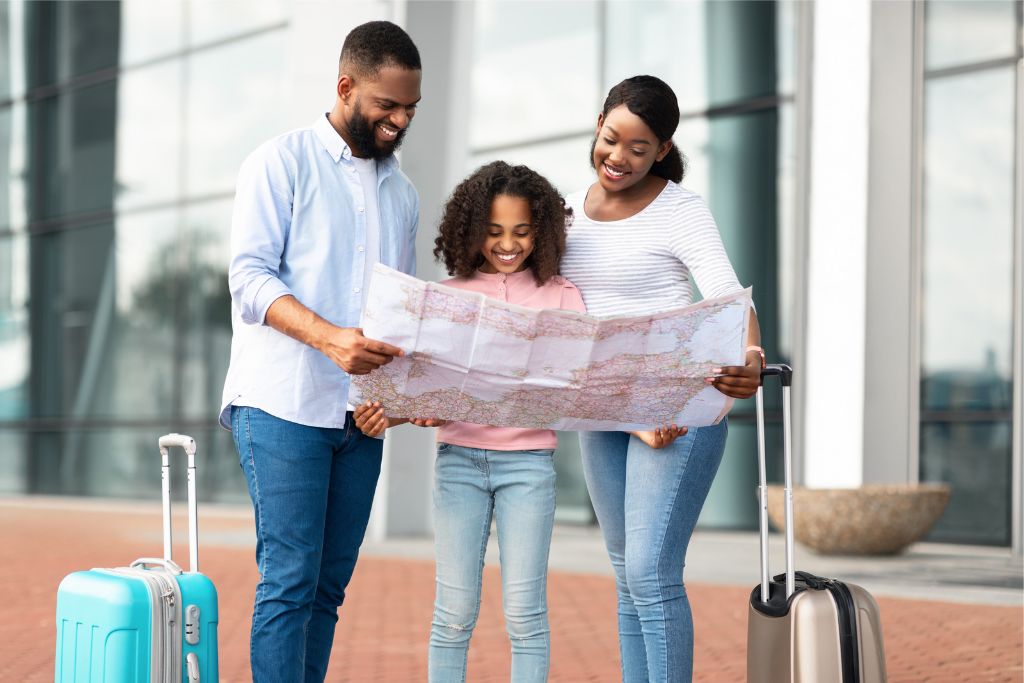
(803, 628)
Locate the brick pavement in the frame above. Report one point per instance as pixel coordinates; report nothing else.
(384, 624)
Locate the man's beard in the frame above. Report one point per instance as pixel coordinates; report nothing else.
(364, 137)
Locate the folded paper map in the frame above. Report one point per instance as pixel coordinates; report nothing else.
(474, 359)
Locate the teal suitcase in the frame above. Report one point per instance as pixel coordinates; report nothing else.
(149, 622)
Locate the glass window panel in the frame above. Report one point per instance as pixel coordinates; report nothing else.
(572, 503)
(711, 53)
(13, 214)
(14, 331)
(151, 28)
(13, 461)
(735, 166)
(211, 20)
(233, 98)
(123, 462)
(968, 241)
(70, 39)
(787, 17)
(535, 71)
(962, 32)
(12, 49)
(70, 161)
(563, 162)
(149, 135)
(103, 312)
(975, 459)
(207, 328)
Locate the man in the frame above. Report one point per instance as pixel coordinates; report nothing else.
(314, 210)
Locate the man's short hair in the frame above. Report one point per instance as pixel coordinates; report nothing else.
(376, 44)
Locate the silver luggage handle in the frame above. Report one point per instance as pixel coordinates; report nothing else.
(189, 445)
(785, 374)
(169, 565)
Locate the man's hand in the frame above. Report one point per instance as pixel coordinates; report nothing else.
(370, 418)
(346, 346)
(660, 437)
(354, 353)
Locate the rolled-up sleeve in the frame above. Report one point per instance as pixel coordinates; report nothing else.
(259, 231)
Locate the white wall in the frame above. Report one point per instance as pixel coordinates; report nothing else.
(837, 237)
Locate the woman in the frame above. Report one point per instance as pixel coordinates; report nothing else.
(636, 239)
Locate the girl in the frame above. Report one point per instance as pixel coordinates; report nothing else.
(637, 238)
(502, 234)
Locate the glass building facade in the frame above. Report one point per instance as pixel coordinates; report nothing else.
(120, 136)
(970, 205)
(122, 125)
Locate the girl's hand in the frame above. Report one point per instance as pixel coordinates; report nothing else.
(427, 422)
(370, 418)
(660, 437)
(739, 381)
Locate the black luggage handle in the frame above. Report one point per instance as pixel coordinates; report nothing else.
(783, 371)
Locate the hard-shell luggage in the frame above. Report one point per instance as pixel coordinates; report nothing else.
(148, 622)
(803, 628)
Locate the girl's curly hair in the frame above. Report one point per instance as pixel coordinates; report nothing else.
(463, 227)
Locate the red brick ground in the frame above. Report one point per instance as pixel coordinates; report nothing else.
(383, 630)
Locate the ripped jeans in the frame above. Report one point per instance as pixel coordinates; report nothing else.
(517, 489)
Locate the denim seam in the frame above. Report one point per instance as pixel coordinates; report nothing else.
(485, 531)
(661, 550)
(258, 502)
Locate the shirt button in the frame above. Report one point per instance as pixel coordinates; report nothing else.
(356, 290)
(360, 209)
(360, 247)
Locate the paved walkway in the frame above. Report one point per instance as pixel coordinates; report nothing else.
(384, 624)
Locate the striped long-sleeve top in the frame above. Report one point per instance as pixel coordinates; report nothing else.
(642, 264)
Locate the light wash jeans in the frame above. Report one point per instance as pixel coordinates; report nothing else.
(311, 491)
(517, 488)
(647, 502)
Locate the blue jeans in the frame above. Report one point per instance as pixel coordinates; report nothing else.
(517, 488)
(647, 502)
(311, 491)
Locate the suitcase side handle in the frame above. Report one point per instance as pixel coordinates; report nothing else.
(170, 565)
(785, 375)
(188, 444)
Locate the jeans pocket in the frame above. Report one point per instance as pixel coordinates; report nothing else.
(443, 448)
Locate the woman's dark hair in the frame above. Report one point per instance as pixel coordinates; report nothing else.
(655, 103)
(467, 212)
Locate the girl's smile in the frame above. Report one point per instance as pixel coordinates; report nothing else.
(509, 239)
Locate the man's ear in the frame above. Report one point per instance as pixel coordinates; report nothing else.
(346, 86)
(663, 149)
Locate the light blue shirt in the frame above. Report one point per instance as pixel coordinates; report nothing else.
(299, 227)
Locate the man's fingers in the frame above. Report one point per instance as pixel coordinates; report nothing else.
(381, 348)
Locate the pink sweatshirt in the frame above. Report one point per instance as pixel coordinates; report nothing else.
(521, 289)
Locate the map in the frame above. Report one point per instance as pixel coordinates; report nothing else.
(470, 358)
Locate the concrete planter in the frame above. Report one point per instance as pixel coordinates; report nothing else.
(879, 519)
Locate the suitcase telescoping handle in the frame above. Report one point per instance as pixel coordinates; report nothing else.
(785, 374)
(187, 443)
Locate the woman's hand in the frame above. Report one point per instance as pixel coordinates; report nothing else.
(739, 381)
(427, 422)
(660, 437)
(370, 418)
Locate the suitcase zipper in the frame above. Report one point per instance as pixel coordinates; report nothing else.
(165, 601)
(848, 644)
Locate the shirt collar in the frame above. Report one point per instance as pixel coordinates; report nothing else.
(338, 148)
